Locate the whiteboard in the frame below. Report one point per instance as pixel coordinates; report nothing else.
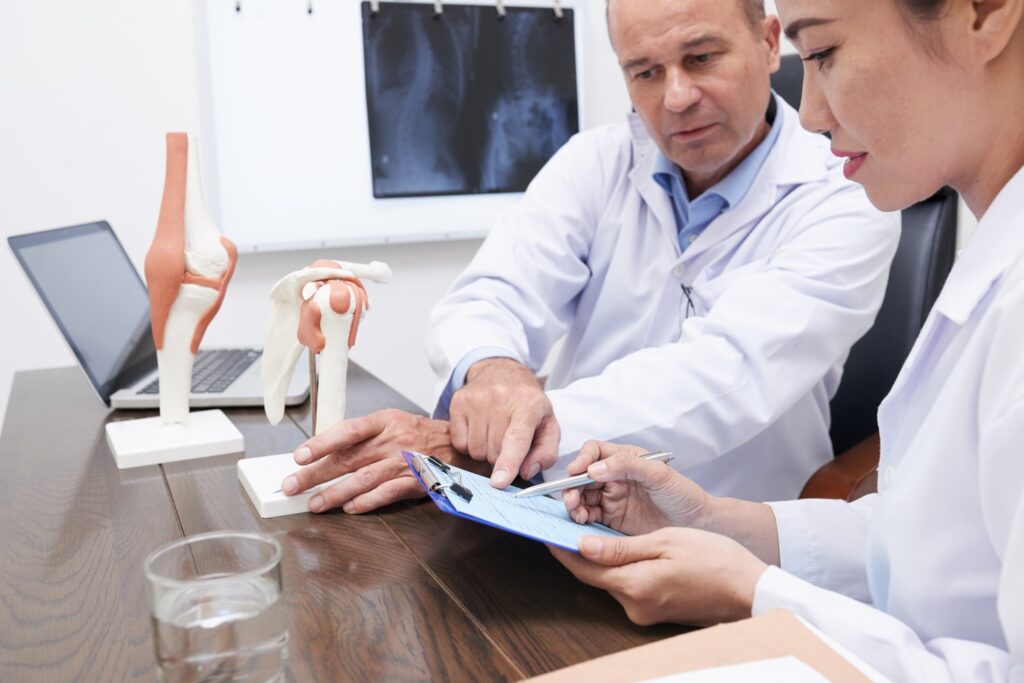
(285, 145)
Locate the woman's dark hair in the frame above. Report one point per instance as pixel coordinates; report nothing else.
(923, 10)
(919, 12)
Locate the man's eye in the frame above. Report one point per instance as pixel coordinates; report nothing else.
(643, 75)
(702, 59)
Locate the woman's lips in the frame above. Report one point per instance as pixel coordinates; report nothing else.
(854, 160)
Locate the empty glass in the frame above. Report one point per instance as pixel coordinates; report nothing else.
(216, 607)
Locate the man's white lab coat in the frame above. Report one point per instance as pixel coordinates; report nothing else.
(939, 551)
(735, 378)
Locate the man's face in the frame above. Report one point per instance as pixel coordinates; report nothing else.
(698, 76)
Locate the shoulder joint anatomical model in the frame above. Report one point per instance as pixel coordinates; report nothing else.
(318, 307)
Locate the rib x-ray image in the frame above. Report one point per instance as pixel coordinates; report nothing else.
(464, 102)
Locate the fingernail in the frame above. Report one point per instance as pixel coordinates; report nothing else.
(500, 478)
(591, 546)
(303, 455)
(598, 469)
(349, 508)
(316, 503)
(290, 485)
(534, 471)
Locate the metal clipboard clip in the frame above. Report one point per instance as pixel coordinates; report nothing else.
(425, 466)
(501, 9)
(559, 14)
(374, 7)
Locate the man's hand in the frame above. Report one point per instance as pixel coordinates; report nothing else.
(683, 576)
(503, 417)
(630, 494)
(370, 448)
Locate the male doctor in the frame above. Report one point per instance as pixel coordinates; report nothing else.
(706, 262)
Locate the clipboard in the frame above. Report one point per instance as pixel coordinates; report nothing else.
(464, 494)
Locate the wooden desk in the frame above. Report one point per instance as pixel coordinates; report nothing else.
(406, 594)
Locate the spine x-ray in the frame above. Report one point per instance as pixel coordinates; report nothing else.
(464, 102)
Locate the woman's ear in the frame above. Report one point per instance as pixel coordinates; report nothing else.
(993, 25)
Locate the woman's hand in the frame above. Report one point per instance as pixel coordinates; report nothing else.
(684, 576)
(632, 495)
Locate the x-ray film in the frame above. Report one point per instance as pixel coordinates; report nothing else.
(464, 102)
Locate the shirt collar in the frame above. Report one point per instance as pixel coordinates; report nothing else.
(733, 187)
(996, 244)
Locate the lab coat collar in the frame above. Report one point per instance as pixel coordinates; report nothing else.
(996, 243)
(642, 177)
(796, 158)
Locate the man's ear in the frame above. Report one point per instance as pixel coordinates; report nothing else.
(771, 29)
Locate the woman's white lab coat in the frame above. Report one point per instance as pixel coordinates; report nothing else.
(939, 551)
(738, 385)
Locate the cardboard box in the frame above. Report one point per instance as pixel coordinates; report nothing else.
(768, 636)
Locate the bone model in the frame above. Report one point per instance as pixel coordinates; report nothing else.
(318, 307)
(188, 267)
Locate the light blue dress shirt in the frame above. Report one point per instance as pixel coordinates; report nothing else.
(691, 219)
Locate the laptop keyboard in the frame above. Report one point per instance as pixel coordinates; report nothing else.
(213, 371)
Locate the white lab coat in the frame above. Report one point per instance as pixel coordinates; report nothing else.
(939, 551)
(782, 285)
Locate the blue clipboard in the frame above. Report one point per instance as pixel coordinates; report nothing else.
(465, 494)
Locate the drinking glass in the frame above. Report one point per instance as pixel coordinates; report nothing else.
(216, 607)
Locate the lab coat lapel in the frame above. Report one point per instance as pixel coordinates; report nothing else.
(996, 244)
(798, 157)
(755, 205)
(642, 178)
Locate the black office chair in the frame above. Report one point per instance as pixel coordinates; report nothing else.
(923, 259)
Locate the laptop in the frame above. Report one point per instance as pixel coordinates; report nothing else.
(94, 294)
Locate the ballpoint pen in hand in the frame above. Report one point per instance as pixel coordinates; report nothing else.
(580, 479)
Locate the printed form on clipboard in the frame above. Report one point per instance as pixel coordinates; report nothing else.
(472, 497)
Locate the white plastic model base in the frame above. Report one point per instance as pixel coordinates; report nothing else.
(262, 477)
(149, 441)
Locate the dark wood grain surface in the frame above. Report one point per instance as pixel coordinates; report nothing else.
(360, 605)
(404, 594)
(529, 605)
(74, 531)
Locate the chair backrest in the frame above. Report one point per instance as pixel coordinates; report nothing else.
(788, 81)
(923, 259)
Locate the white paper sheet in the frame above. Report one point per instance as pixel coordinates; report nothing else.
(781, 670)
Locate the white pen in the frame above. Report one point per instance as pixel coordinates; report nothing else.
(580, 479)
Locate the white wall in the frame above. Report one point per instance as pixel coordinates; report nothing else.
(89, 88)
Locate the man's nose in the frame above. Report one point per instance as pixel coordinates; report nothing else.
(681, 92)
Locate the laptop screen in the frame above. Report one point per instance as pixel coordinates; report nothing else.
(95, 296)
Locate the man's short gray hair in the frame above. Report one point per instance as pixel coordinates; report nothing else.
(754, 9)
(755, 12)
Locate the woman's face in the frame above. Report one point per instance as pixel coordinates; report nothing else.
(891, 104)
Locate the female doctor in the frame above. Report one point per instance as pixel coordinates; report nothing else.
(925, 579)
